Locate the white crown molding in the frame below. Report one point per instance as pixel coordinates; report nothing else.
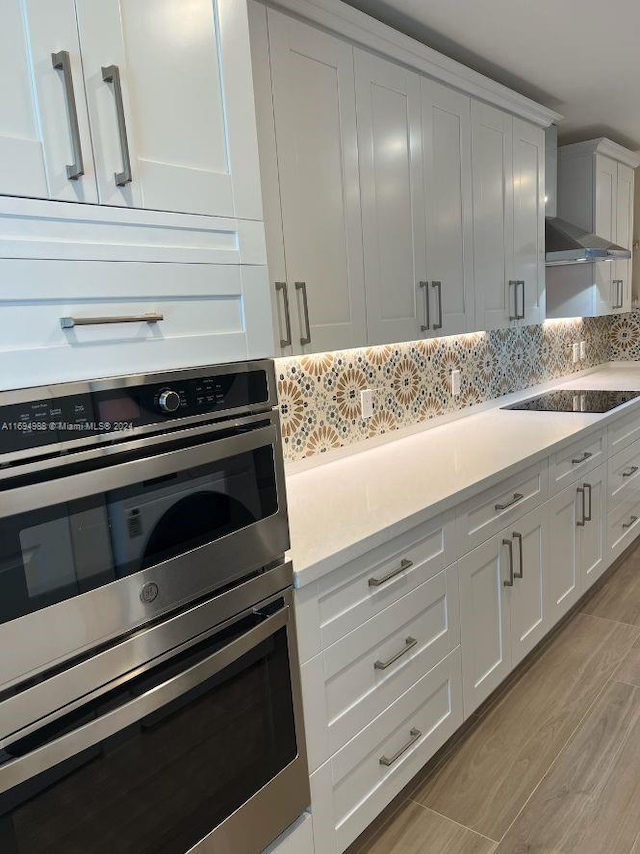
(604, 146)
(356, 26)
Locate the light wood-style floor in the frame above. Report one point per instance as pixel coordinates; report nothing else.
(551, 763)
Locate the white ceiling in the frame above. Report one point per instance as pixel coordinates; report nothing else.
(579, 57)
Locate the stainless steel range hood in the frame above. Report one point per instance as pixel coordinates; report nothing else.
(569, 244)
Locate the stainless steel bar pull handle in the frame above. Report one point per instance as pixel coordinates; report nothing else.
(520, 573)
(404, 564)
(513, 283)
(619, 298)
(631, 522)
(521, 316)
(302, 286)
(437, 286)
(629, 472)
(509, 545)
(408, 644)
(70, 322)
(415, 735)
(424, 327)
(580, 522)
(282, 286)
(111, 74)
(582, 459)
(517, 496)
(587, 491)
(62, 62)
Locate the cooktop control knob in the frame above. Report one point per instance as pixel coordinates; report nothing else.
(169, 400)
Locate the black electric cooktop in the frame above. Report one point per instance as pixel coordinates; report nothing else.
(575, 400)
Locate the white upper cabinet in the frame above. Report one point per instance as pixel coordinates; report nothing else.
(528, 219)
(595, 191)
(315, 130)
(392, 192)
(45, 148)
(497, 295)
(446, 143)
(170, 99)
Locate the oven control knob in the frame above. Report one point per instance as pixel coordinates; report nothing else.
(169, 400)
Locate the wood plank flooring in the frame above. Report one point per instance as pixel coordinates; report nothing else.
(551, 765)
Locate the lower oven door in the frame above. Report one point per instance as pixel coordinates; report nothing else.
(203, 752)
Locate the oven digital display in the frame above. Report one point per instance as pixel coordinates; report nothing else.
(118, 409)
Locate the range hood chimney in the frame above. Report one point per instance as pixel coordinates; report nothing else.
(567, 243)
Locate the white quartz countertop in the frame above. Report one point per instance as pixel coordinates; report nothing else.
(340, 509)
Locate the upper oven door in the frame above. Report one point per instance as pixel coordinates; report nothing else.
(110, 538)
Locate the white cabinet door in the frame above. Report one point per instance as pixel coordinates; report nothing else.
(527, 597)
(528, 219)
(446, 140)
(170, 100)
(606, 180)
(624, 234)
(492, 165)
(565, 583)
(390, 157)
(484, 621)
(45, 149)
(593, 551)
(315, 121)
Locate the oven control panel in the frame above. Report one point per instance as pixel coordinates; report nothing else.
(41, 422)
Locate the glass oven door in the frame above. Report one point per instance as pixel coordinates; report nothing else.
(203, 751)
(110, 538)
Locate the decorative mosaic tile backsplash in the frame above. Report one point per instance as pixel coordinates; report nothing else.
(320, 394)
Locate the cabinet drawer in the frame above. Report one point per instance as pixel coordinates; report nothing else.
(209, 314)
(624, 477)
(372, 666)
(624, 431)
(352, 787)
(357, 591)
(487, 513)
(567, 465)
(623, 526)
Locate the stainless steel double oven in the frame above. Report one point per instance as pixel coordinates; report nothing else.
(149, 683)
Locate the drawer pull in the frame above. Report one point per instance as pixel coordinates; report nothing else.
(408, 644)
(582, 459)
(70, 322)
(404, 564)
(415, 735)
(630, 471)
(517, 496)
(631, 522)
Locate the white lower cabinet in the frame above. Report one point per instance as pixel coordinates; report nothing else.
(503, 612)
(352, 787)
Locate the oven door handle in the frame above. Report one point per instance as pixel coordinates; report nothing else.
(48, 493)
(47, 756)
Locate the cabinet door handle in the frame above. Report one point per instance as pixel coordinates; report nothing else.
(619, 286)
(415, 735)
(509, 545)
(580, 522)
(513, 283)
(408, 644)
(517, 496)
(404, 564)
(302, 286)
(587, 491)
(70, 322)
(631, 522)
(111, 74)
(427, 314)
(437, 286)
(62, 62)
(522, 282)
(282, 286)
(520, 573)
(630, 471)
(582, 459)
